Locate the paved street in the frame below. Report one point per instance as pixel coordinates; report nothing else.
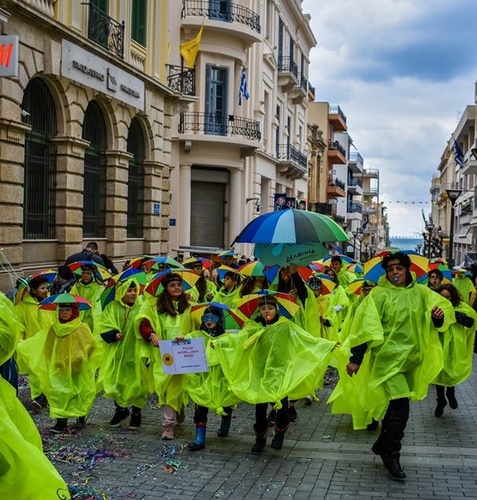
(322, 458)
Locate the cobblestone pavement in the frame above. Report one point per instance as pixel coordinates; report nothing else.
(322, 457)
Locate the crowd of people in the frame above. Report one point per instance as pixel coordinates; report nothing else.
(271, 336)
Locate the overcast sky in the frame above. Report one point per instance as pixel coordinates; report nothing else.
(403, 72)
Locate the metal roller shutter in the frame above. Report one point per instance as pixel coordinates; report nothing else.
(207, 214)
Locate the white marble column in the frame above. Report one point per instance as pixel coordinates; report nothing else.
(236, 204)
(184, 205)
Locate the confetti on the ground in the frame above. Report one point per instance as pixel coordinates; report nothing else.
(85, 493)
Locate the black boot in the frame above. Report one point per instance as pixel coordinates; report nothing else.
(260, 440)
(224, 426)
(119, 415)
(450, 393)
(397, 416)
(441, 401)
(136, 418)
(277, 441)
(60, 426)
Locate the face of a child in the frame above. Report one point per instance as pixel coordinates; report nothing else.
(174, 289)
(86, 276)
(446, 294)
(65, 313)
(210, 321)
(130, 296)
(228, 283)
(41, 292)
(434, 280)
(268, 312)
(336, 266)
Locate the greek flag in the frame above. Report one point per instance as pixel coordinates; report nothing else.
(243, 90)
(458, 155)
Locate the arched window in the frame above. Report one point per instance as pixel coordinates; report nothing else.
(135, 146)
(39, 163)
(94, 191)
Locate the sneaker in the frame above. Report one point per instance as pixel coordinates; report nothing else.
(292, 414)
(168, 432)
(135, 421)
(120, 415)
(35, 406)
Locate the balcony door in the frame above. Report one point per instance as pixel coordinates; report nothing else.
(219, 9)
(216, 101)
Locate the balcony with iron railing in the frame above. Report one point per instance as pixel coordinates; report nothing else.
(181, 79)
(239, 21)
(336, 153)
(287, 73)
(355, 162)
(336, 188)
(337, 119)
(355, 207)
(106, 31)
(355, 186)
(218, 124)
(372, 173)
(292, 162)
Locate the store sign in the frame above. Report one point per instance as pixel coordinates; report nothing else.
(9, 55)
(86, 68)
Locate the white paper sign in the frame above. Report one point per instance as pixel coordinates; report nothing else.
(187, 356)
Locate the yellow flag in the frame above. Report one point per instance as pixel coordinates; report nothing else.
(190, 48)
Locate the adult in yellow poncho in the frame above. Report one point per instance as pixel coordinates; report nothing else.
(90, 288)
(166, 317)
(458, 346)
(61, 357)
(346, 396)
(32, 320)
(25, 472)
(395, 351)
(210, 390)
(270, 360)
(122, 374)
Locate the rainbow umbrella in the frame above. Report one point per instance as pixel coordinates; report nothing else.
(137, 262)
(189, 279)
(49, 275)
(206, 263)
(108, 294)
(287, 306)
(373, 269)
(231, 318)
(272, 275)
(222, 270)
(443, 268)
(54, 301)
(226, 253)
(291, 226)
(317, 266)
(100, 272)
(327, 284)
(256, 268)
(355, 267)
(166, 261)
(356, 286)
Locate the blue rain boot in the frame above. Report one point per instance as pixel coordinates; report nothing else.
(199, 441)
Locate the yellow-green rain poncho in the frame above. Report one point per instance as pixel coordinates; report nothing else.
(169, 388)
(91, 292)
(31, 317)
(210, 389)
(464, 285)
(25, 472)
(122, 375)
(62, 359)
(264, 364)
(404, 354)
(458, 347)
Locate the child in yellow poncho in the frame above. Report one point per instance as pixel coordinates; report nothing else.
(25, 472)
(122, 375)
(61, 357)
(457, 344)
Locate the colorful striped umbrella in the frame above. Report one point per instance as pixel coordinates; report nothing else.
(54, 301)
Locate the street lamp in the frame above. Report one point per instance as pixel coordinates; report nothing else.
(453, 194)
(429, 229)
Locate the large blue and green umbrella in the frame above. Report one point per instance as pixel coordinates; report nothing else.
(291, 226)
